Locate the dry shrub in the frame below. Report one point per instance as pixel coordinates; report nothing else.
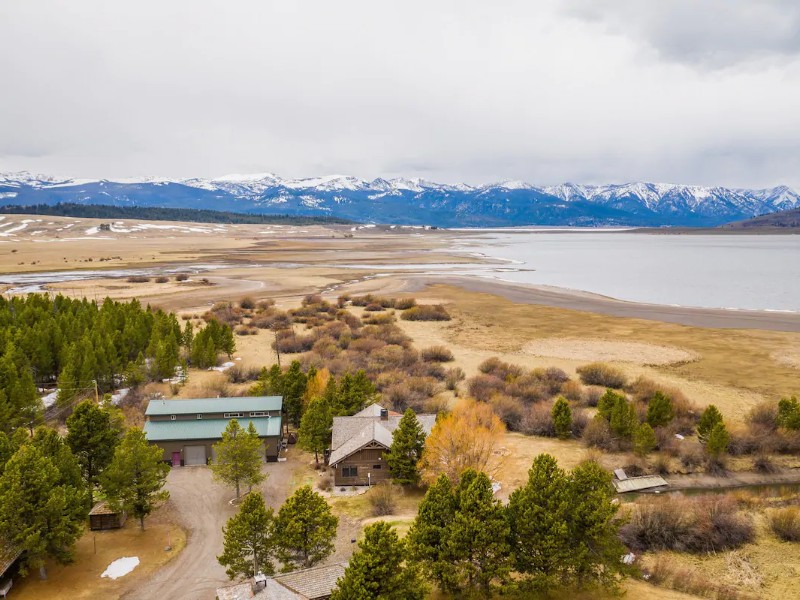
(272, 318)
(511, 411)
(764, 464)
(349, 319)
(699, 524)
(499, 369)
(528, 389)
(287, 342)
(602, 374)
(785, 523)
(438, 354)
(224, 312)
(405, 303)
(239, 374)
(483, 387)
(687, 413)
(572, 390)
(452, 376)
(326, 347)
(592, 395)
(245, 330)
(162, 279)
(366, 345)
(436, 405)
(426, 312)
(597, 434)
(383, 499)
(538, 420)
(665, 572)
(374, 307)
(692, 455)
(137, 279)
(384, 318)
(580, 420)
(247, 303)
(764, 416)
(661, 465)
(411, 392)
(325, 483)
(263, 305)
(181, 277)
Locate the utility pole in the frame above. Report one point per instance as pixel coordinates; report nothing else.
(96, 392)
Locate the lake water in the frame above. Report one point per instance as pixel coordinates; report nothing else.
(754, 272)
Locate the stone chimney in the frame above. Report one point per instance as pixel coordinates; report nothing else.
(384, 414)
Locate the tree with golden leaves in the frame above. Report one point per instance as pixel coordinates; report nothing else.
(467, 438)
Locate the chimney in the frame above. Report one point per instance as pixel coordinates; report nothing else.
(259, 582)
(384, 414)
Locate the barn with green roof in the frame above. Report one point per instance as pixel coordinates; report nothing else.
(186, 430)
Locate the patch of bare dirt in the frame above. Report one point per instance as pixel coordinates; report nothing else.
(609, 351)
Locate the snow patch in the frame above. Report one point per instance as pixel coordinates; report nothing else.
(121, 567)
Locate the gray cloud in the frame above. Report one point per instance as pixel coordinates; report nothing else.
(456, 90)
(709, 34)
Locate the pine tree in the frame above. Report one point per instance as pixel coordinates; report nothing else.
(305, 529)
(623, 418)
(239, 457)
(315, 428)
(93, 433)
(294, 386)
(659, 410)
(476, 550)
(788, 413)
(249, 539)
(596, 552)
(427, 534)
(134, 479)
(539, 532)
(377, 570)
(38, 514)
(408, 441)
(718, 440)
(69, 379)
(562, 418)
(644, 440)
(53, 446)
(607, 402)
(710, 417)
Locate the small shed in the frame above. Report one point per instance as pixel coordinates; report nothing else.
(102, 516)
(638, 484)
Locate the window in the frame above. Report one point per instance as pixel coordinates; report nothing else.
(349, 471)
(172, 417)
(259, 413)
(232, 415)
(199, 417)
(376, 466)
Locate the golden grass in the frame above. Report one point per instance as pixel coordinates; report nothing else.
(81, 580)
(735, 369)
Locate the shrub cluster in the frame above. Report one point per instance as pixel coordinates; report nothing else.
(785, 523)
(696, 524)
(426, 312)
(602, 374)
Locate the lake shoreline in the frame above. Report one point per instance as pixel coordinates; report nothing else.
(712, 318)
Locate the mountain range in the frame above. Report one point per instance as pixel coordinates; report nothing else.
(416, 201)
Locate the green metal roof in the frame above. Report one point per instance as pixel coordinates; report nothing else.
(206, 429)
(214, 405)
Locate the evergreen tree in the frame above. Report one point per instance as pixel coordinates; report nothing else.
(93, 433)
(596, 552)
(377, 570)
(134, 479)
(623, 418)
(710, 417)
(249, 539)
(239, 457)
(315, 428)
(427, 534)
(52, 445)
(644, 440)
(718, 440)
(788, 413)
(355, 392)
(39, 515)
(188, 336)
(476, 547)
(539, 532)
(305, 529)
(607, 402)
(660, 411)
(294, 386)
(408, 441)
(270, 382)
(562, 418)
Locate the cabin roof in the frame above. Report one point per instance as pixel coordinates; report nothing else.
(206, 429)
(214, 405)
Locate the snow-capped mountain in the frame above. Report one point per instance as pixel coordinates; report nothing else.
(416, 201)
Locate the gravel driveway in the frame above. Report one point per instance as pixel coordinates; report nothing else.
(203, 508)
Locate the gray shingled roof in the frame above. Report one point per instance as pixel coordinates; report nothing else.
(350, 434)
(317, 582)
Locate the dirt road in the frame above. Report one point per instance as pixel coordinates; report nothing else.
(203, 508)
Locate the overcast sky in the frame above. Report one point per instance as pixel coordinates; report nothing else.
(590, 91)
